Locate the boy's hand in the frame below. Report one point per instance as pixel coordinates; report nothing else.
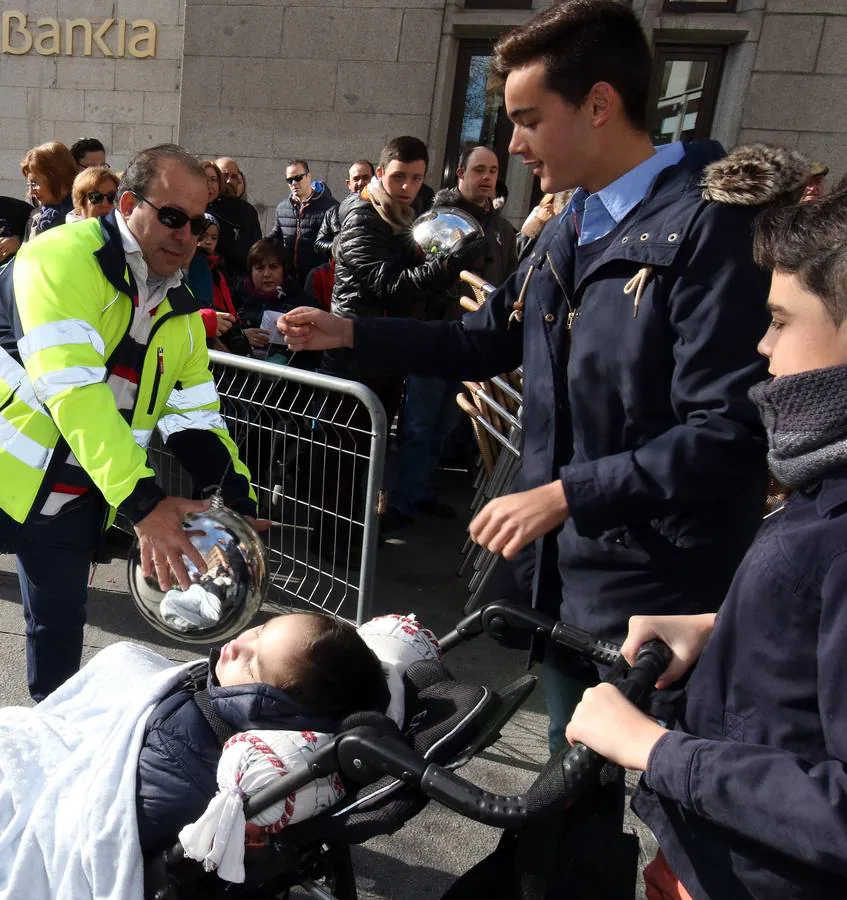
(507, 524)
(306, 328)
(685, 635)
(607, 722)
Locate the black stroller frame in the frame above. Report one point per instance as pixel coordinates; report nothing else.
(391, 775)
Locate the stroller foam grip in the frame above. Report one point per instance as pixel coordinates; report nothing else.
(565, 778)
(473, 802)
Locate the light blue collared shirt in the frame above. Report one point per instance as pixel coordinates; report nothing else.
(600, 213)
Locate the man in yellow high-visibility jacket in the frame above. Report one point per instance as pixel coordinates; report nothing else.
(109, 346)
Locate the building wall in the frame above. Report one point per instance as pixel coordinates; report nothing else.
(785, 76)
(127, 103)
(328, 81)
(332, 80)
(797, 96)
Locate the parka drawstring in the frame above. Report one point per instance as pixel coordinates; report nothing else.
(637, 285)
(516, 314)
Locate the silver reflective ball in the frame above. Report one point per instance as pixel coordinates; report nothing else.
(220, 602)
(444, 230)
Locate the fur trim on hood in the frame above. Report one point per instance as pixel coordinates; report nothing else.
(755, 175)
(447, 197)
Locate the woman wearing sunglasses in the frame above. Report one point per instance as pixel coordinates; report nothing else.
(93, 193)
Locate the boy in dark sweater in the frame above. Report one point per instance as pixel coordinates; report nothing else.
(748, 795)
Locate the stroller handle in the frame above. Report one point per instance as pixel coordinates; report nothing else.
(498, 619)
(561, 781)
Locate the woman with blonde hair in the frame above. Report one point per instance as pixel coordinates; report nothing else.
(50, 170)
(93, 194)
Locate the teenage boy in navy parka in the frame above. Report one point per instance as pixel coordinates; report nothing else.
(643, 464)
(748, 798)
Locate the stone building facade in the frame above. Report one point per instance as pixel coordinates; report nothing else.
(331, 80)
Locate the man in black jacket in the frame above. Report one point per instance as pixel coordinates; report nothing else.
(359, 174)
(239, 229)
(474, 194)
(299, 218)
(378, 269)
(430, 412)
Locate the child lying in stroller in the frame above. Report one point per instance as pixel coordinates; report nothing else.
(124, 751)
(302, 671)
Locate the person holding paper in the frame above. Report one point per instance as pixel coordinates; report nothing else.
(266, 293)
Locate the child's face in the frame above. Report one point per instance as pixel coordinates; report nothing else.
(265, 654)
(267, 275)
(802, 335)
(208, 241)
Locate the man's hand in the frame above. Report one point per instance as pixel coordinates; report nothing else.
(163, 541)
(506, 525)
(225, 321)
(607, 722)
(685, 635)
(306, 328)
(259, 525)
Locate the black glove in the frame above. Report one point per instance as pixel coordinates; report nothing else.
(467, 255)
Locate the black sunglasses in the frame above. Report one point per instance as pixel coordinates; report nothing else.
(96, 197)
(176, 218)
(296, 179)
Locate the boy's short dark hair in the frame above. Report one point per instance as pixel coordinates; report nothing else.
(298, 162)
(85, 145)
(339, 674)
(582, 42)
(809, 241)
(266, 249)
(405, 149)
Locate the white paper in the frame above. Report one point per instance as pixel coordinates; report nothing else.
(269, 317)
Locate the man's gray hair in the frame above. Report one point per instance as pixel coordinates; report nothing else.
(145, 166)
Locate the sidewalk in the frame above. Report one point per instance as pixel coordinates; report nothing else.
(415, 573)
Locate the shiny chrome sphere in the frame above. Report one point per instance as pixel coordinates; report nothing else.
(443, 230)
(220, 602)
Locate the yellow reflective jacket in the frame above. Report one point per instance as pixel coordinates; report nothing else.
(73, 294)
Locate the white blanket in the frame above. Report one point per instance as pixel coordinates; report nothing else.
(67, 780)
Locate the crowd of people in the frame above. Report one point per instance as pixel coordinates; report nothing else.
(647, 297)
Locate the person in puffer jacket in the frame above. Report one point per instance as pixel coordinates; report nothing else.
(299, 218)
(301, 671)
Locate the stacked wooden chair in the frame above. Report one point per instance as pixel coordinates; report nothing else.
(494, 410)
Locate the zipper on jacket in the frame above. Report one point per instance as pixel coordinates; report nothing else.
(157, 378)
(572, 313)
(156, 326)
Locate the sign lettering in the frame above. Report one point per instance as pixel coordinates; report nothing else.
(112, 38)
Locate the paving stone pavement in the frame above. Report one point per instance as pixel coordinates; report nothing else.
(416, 571)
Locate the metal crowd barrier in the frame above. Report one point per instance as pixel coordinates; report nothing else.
(315, 447)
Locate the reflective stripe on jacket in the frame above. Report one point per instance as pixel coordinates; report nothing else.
(73, 295)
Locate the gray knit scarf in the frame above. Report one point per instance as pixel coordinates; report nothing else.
(805, 417)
